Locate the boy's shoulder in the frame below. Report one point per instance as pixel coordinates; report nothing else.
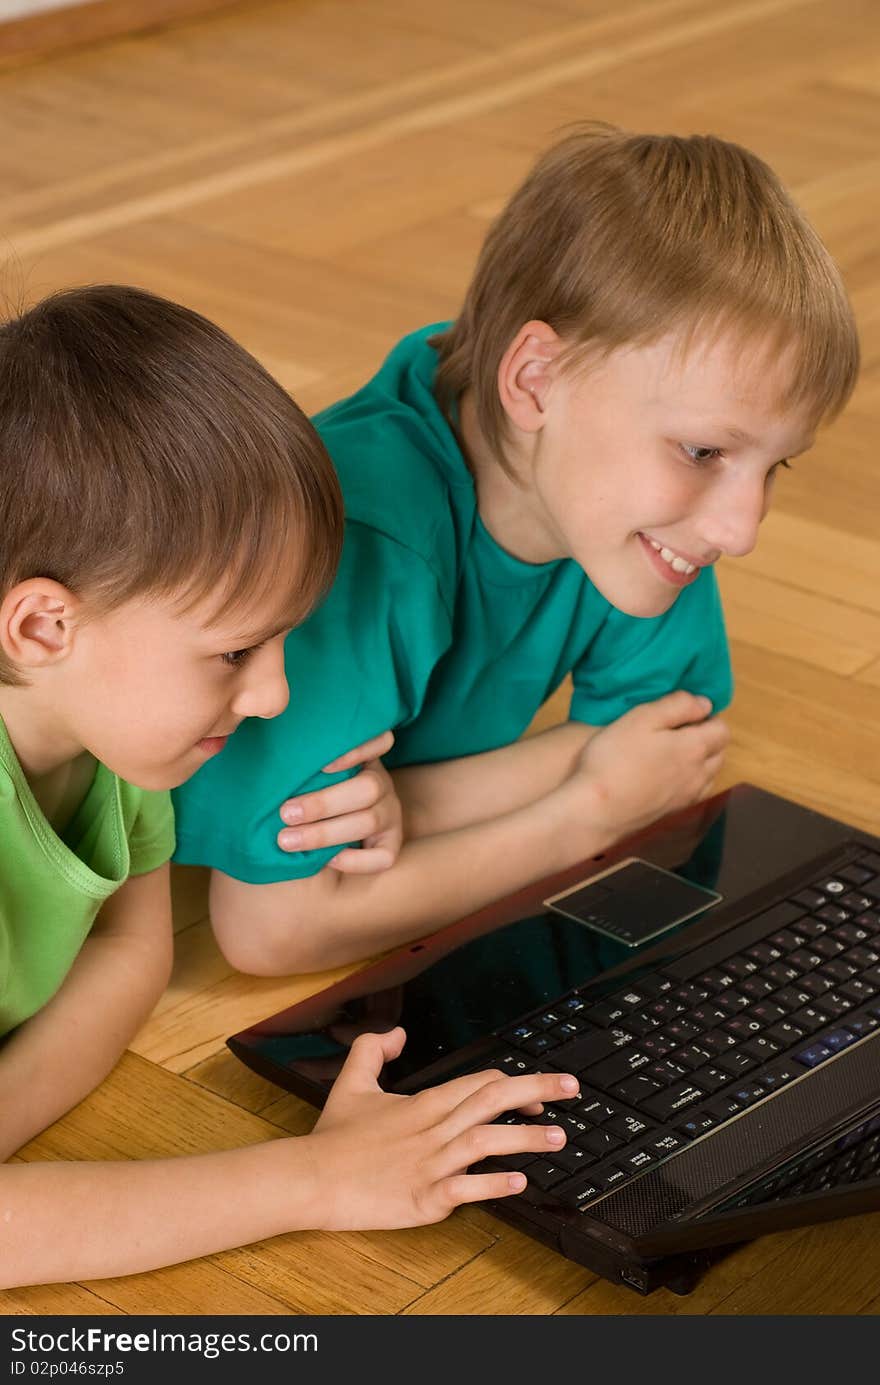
(399, 463)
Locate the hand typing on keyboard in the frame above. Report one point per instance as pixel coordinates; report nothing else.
(385, 1160)
(655, 759)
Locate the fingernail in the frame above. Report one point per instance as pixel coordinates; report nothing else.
(291, 812)
(289, 840)
(516, 1182)
(569, 1084)
(554, 1136)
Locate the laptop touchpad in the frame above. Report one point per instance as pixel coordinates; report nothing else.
(633, 901)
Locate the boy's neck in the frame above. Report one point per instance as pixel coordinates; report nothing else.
(508, 505)
(58, 770)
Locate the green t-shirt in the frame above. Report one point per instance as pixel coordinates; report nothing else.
(51, 887)
(431, 629)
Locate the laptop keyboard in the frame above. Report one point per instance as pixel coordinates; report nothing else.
(851, 1158)
(684, 1049)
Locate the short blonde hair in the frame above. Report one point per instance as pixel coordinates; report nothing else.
(142, 450)
(617, 239)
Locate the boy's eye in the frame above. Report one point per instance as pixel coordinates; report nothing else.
(236, 657)
(700, 454)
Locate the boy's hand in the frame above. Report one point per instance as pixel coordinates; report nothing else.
(384, 1161)
(657, 758)
(365, 809)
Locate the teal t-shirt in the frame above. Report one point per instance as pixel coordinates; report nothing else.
(431, 629)
(51, 886)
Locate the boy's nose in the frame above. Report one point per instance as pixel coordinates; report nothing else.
(732, 525)
(265, 693)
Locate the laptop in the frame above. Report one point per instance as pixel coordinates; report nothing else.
(714, 983)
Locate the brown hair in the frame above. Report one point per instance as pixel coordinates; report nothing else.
(616, 239)
(143, 450)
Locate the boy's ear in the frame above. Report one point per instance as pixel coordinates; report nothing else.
(525, 375)
(38, 620)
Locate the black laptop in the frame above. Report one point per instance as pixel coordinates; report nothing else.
(715, 984)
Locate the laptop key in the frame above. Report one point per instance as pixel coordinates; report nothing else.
(640, 1159)
(596, 1110)
(858, 990)
(697, 1124)
(627, 1127)
(810, 1018)
(664, 1105)
(711, 1079)
(614, 1069)
(573, 1159)
(513, 1064)
(599, 1143)
(809, 898)
(761, 1048)
(604, 1013)
(836, 1004)
(828, 946)
(580, 1194)
(610, 1177)
(544, 1174)
(634, 1090)
(779, 1073)
(540, 1044)
(860, 1025)
(814, 1055)
(855, 874)
(784, 1034)
(751, 1092)
(667, 1144)
(580, 1053)
(736, 1063)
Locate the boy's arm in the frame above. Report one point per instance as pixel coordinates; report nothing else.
(651, 761)
(375, 1160)
(64, 1051)
(378, 809)
(473, 788)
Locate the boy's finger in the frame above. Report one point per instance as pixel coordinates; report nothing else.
(367, 1056)
(479, 1187)
(350, 827)
(681, 709)
(372, 749)
(496, 1141)
(509, 1094)
(363, 861)
(349, 796)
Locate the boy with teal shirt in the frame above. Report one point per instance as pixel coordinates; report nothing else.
(544, 487)
(433, 628)
(152, 477)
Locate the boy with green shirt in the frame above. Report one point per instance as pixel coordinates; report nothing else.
(540, 488)
(168, 515)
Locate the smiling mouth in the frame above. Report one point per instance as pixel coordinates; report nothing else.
(674, 560)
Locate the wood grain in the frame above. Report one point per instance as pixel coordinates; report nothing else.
(318, 177)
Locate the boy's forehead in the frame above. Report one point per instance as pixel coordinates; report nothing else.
(251, 618)
(741, 383)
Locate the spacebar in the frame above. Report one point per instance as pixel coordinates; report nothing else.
(583, 1051)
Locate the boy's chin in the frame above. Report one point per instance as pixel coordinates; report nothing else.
(157, 779)
(637, 599)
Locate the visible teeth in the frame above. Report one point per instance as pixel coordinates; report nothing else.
(677, 564)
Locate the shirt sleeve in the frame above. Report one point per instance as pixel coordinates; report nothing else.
(356, 667)
(632, 660)
(151, 837)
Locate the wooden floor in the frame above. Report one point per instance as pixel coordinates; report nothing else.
(317, 176)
